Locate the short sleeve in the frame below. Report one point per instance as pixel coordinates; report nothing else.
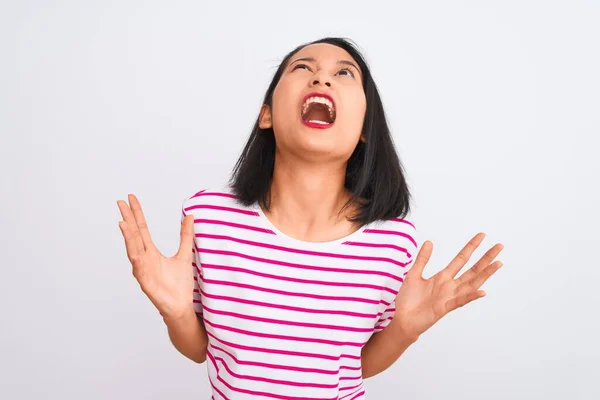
(406, 241)
(197, 285)
(197, 272)
(386, 317)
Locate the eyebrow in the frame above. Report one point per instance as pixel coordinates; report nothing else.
(343, 62)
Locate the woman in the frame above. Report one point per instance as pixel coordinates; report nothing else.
(299, 264)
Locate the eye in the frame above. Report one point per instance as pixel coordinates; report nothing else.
(347, 72)
(299, 65)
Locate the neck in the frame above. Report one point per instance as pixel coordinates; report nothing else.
(307, 197)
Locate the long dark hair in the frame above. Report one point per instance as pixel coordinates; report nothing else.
(374, 173)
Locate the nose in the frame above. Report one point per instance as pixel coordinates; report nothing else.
(317, 82)
(320, 78)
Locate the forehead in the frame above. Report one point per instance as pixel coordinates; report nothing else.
(323, 52)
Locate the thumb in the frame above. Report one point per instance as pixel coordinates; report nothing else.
(422, 259)
(187, 238)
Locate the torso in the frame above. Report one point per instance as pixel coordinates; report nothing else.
(287, 319)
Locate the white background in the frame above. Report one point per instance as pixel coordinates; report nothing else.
(495, 111)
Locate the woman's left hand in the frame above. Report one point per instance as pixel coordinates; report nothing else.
(421, 302)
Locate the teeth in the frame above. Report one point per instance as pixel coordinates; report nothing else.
(321, 100)
(316, 121)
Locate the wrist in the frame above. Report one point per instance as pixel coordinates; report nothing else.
(175, 317)
(402, 335)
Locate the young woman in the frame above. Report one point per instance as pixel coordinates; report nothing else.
(293, 279)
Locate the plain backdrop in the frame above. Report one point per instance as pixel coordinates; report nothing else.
(495, 112)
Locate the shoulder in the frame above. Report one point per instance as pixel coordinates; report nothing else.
(400, 232)
(216, 195)
(210, 200)
(405, 225)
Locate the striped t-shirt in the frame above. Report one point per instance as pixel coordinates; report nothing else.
(285, 318)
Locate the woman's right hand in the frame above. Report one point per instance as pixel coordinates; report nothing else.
(168, 282)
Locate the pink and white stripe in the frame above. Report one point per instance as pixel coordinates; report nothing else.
(287, 319)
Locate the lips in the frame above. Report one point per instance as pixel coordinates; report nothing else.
(318, 110)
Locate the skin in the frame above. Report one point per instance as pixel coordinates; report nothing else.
(167, 281)
(421, 302)
(308, 180)
(307, 194)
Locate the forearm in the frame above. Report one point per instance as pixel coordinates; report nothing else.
(383, 349)
(188, 335)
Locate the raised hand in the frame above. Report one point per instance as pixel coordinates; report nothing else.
(168, 282)
(421, 302)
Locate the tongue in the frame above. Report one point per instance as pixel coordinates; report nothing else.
(317, 112)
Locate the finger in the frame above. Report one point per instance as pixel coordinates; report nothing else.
(136, 208)
(126, 213)
(422, 258)
(133, 240)
(463, 300)
(187, 238)
(479, 279)
(463, 256)
(133, 250)
(483, 262)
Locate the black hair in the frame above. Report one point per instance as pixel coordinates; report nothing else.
(374, 173)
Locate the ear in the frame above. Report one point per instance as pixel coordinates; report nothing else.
(264, 119)
(363, 139)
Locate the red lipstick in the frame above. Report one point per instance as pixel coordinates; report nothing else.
(315, 124)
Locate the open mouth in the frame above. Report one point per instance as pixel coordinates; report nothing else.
(318, 111)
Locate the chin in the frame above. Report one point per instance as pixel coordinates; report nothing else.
(320, 148)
